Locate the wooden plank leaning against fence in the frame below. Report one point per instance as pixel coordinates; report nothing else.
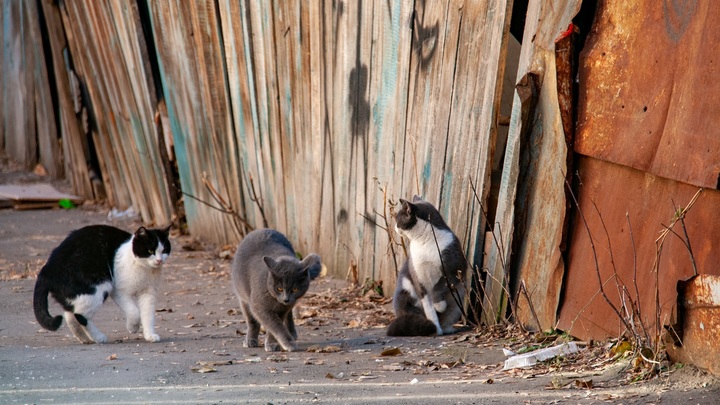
(539, 263)
(108, 48)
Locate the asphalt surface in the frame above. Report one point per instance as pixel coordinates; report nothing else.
(200, 358)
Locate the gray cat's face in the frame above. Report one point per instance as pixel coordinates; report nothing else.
(288, 278)
(413, 219)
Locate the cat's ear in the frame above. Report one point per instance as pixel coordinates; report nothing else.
(166, 231)
(269, 262)
(406, 206)
(141, 232)
(417, 198)
(310, 259)
(311, 264)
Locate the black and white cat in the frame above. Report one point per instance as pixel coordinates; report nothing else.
(98, 261)
(430, 286)
(269, 279)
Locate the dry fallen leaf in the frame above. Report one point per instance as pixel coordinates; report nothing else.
(326, 349)
(584, 384)
(215, 363)
(203, 369)
(277, 358)
(393, 351)
(112, 357)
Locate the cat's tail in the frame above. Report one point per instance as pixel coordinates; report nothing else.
(411, 325)
(40, 304)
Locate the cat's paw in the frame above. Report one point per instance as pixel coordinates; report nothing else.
(152, 337)
(292, 347)
(272, 347)
(133, 327)
(99, 338)
(250, 342)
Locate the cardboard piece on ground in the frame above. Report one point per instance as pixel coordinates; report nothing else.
(33, 196)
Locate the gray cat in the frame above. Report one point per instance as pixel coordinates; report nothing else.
(424, 301)
(269, 279)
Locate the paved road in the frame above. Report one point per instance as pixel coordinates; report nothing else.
(198, 322)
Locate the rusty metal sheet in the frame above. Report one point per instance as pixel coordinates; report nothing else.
(647, 79)
(649, 202)
(696, 338)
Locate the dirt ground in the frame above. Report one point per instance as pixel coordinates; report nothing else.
(344, 355)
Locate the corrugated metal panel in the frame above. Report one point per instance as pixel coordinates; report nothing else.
(648, 76)
(648, 201)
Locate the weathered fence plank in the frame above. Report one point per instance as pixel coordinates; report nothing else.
(193, 76)
(539, 262)
(70, 128)
(120, 90)
(48, 149)
(19, 106)
(388, 87)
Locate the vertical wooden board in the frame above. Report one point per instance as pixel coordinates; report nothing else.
(357, 81)
(309, 203)
(47, 134)
(193, 75)
(242, 104)
(293, 77)
(544, 23)
(345, 57)
(141, 104)
(432, 65)
(269, 113)
(541, 204)
(83, 54)
(389, 77)
(19, 93)
(116, 95)
(73, 154)
(95, 51)
(131, 122)
(472, 126)
(221, 145)
(171, 30)
(321, 38)
(288, 144)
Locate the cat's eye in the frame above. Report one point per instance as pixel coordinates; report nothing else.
(294, 290)
(152, 252)
(280, 289)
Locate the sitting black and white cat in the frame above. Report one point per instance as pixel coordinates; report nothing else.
(98, 261)
(269, 279)
(423, 301)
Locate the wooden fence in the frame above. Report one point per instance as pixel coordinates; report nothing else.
(312, 117)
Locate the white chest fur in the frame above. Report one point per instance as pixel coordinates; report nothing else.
(425, 248)
(133, 275)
